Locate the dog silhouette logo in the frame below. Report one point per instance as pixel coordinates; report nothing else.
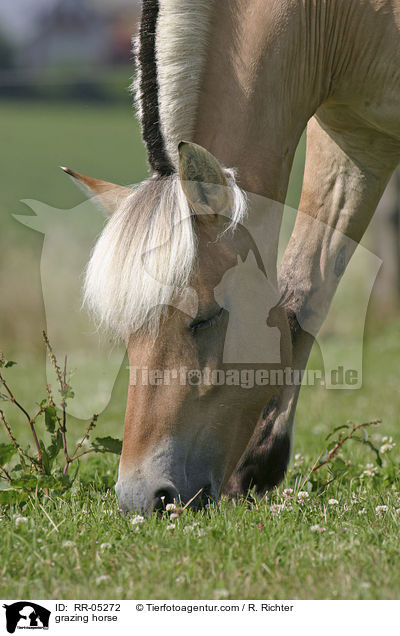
(26, 615)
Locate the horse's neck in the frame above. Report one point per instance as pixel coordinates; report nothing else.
(259, 90)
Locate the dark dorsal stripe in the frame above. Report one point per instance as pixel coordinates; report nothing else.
(151, 126)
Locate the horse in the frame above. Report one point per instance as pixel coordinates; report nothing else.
(224, 92)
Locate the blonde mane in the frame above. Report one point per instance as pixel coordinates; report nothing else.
(146, 256)
(183, 32)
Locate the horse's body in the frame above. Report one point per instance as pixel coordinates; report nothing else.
(242, 78)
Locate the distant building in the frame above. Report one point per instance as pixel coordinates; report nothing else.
(76, 32)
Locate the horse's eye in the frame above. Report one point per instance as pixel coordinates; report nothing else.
(208, 322)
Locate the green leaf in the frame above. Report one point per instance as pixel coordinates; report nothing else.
(107, 445)
(50, 418)
(12, 496)
(25, 482)
(7, 452)
(67, 392)
(6, 363)
(45, 458)
(46, 481)
(55, 446)
(336, 429)
(331, 445)
(64, 482)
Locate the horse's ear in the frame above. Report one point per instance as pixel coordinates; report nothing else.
(202, 178)
(108, 195)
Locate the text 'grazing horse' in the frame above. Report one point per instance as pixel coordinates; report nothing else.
(224, 91)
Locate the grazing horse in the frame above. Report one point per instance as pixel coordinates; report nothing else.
(238, 81)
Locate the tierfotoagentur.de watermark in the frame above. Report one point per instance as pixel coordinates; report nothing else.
(243, 378)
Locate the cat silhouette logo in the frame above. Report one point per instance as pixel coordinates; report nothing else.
(26, 615)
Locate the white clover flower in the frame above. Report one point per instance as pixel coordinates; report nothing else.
(170, 506)
(362, 511)
(201, 533)
(174, 515)
(276, 509)
(171, 526)
(397, 511)
(319, 529)
(68, 544)
(388, 445)
(298, 460)
(221, 593)
(136, 519)
(188, 529)
(333, 502)
(370, 470)
(381, 511)
(191, 527)
(302, 496)
(21, 521)
(287, 493)
(102, 579)
(105, 546)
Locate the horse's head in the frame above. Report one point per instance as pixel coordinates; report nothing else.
(151, 279)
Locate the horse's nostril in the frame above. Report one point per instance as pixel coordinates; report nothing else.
(164, 496)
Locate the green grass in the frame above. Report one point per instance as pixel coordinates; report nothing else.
(101, 141)
(236, 551)
(233, 552)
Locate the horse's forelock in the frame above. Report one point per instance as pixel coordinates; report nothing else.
(145, 257)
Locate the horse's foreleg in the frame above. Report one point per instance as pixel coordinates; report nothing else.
(345, 176)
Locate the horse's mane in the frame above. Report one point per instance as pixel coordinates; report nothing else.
(145, 256)
(147, 252)
(171, 51)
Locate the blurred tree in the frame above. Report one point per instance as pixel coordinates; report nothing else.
(7, 53)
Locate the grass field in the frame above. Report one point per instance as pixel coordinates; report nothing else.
(78, 545)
